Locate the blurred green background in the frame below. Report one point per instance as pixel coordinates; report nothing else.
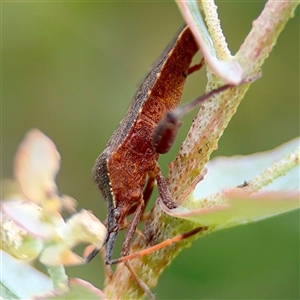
(71, 70)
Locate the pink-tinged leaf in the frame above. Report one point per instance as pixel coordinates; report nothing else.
(17, 242)
(21, 279)
(239, 210)
(79, 289)
(69, 203)
(36, 164)
(230, 71)
(231, 194)
(229, 172)
(82, 227)
(28, 216)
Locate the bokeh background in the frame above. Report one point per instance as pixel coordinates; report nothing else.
(71, 70)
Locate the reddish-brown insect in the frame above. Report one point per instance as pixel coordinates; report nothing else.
(127, 169)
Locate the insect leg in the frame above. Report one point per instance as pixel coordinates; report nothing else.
(159, 246)
(196, 67)
(181, 111)
(96, 250)
(149, 188)
(166, 130)
(132, 227)
(146, 194)
(163, 189)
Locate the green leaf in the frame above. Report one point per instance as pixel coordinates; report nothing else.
(229, 172)
(239, 210)
(21, 279)
(225, 203)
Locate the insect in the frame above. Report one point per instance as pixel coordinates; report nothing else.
(126, 170)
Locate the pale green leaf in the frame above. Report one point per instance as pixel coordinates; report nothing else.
(229, 172)
(231, 194)
(21, 279)
(230, 71)
(239, 210)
